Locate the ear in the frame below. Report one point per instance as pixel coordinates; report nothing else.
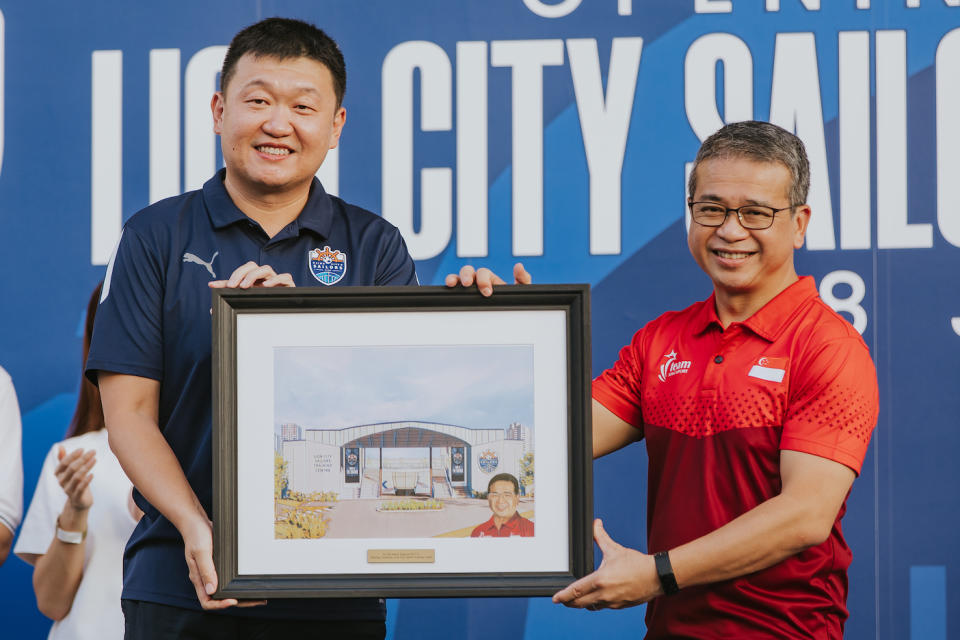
(339, 119)
(216, 106)
(800, 220)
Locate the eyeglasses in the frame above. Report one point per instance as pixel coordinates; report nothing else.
(501, 495)
(751, 216)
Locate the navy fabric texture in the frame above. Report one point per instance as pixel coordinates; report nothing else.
(154, 321)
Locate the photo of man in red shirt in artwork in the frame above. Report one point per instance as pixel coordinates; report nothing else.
(503, 494)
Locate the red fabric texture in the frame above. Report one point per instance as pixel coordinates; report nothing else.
(515, 526)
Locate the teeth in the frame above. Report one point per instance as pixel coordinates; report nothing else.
(730, 255)
(274, 151)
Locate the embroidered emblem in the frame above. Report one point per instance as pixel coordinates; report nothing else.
(327, 265)
(672, 366)
(489, 461)
(770, 369)
(189, 257)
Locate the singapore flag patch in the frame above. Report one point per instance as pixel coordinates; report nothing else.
(770, 369)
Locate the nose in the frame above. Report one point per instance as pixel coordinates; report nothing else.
(277, 123)
(731, 227)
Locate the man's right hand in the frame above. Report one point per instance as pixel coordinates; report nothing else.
(198, 550)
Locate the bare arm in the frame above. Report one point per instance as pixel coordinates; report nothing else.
(610, 432)
(57, 573)
(801, 516)
(6, 539)
(130, 408)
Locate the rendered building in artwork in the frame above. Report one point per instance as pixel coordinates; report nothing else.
(402, 458)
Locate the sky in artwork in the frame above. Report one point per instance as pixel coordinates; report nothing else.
(474, 386)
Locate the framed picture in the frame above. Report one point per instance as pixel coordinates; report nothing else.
(401, 441)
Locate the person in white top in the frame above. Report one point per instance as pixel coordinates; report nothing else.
(78, 524)
(11, 465)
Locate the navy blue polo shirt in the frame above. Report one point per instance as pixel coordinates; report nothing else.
(154, 321)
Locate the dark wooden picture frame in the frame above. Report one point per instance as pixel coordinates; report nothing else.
(229, 305)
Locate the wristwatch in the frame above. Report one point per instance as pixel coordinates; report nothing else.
(70, 537)
(665, 573)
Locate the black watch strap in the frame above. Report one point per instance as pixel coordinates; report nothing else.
(665, 572)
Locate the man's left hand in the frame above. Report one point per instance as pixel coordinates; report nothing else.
(625, 578)
(252, 274)
(485, 279)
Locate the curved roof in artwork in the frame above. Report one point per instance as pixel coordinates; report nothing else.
(407, 434)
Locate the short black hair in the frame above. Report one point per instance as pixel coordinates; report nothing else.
(504, 477)
(285, 38)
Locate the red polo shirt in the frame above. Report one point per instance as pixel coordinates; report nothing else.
(716, 407)
(515, 526)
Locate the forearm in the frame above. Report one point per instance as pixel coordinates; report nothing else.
(130, 409)
(6, 539)
(57, 573)
(767, 534)
(152, 467)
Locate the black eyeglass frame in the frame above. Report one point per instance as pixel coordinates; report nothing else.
(727, 210)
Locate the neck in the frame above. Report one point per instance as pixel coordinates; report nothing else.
(271, 210)
(500, 521)
(735, 306)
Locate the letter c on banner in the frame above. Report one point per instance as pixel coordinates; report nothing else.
(558, 10)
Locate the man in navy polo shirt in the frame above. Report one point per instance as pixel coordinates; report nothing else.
(263, 221)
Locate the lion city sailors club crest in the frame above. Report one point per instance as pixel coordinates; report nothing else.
(489, 461)
(328, 265)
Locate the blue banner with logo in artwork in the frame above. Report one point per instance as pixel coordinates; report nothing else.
(559, 133)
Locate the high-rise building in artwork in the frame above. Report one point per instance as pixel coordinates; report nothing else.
(291, 431)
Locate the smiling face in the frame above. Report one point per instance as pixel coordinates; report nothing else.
(748, 267)
(502, 500)
(277, 121)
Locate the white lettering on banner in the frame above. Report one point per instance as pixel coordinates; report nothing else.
(472, 198)
(700, 82)
(200, 83)
(948, 137)
(436, 224)
(850, 304)
(625, 7)
(700, 89)
(164, 123)
(893, 230)
(605, 119)
(526, 58)
(557, 10)
(106, 153)
(795, 105)
(605, 123)
(712, 6)
(3, 40)
(854, 133)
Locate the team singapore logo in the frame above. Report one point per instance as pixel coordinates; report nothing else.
(672, 366)
(327, 265)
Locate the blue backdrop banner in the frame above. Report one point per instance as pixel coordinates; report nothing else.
(554, 132)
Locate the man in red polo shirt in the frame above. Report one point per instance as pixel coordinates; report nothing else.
(757, 406)
(503, 495)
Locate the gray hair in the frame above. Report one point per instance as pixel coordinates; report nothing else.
(761, 142)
